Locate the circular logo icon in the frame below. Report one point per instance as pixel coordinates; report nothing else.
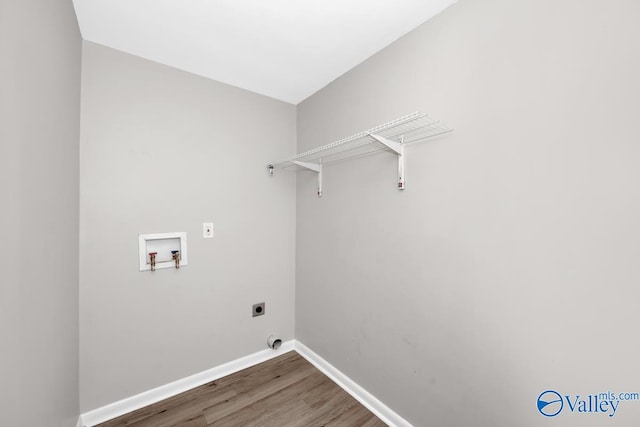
(550, 403)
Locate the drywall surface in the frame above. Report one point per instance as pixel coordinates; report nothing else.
(40, 50)
(164, 151)
(509, 265)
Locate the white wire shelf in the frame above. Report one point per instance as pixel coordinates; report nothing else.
(391, 137)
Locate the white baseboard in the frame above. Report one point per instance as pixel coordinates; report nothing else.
(113, 410)
(369, 401)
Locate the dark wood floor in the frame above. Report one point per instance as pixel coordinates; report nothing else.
(285, 391)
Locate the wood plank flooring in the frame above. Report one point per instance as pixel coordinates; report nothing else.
(285, 391)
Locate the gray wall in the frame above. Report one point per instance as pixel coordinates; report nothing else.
(161, 151)
(40, 49)
(509, 265)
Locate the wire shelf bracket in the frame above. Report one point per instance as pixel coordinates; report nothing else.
(398, 148)
(315, 167)
(389, 137)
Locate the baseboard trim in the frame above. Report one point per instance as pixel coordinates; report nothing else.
(368, 400)
(113, 410)
(124, 406)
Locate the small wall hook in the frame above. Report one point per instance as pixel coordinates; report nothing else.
(176, 257)
(152, 258)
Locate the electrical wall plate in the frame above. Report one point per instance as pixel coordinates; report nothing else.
(258, 309)
(207, 230)
(163, 244)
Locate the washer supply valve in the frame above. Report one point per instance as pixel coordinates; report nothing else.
(152, 258)
(176, 257)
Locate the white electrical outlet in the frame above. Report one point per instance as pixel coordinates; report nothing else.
(207, 230)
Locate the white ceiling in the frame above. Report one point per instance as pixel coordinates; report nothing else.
(285, 49)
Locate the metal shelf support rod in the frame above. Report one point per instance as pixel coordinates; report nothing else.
(315, 167)
(398, 148)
